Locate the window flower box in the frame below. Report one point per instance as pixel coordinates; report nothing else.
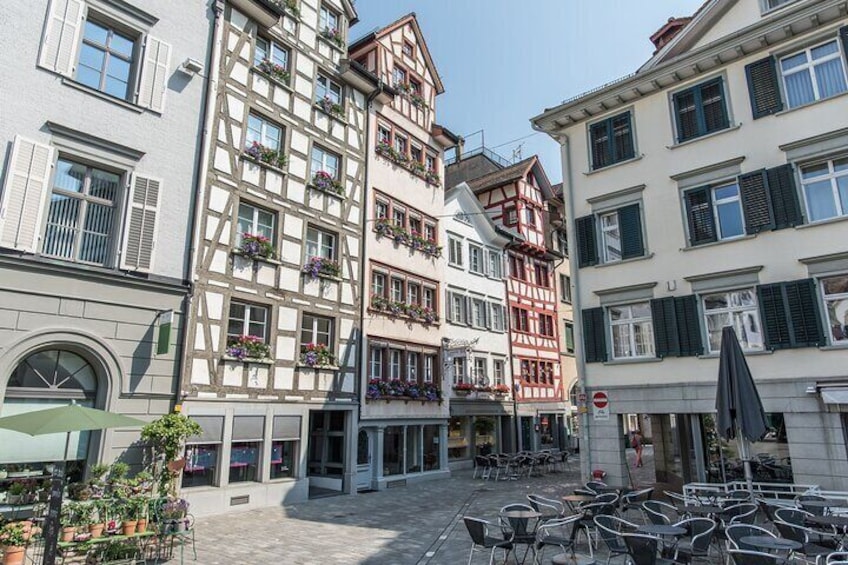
(266, 155)
(275, 71)
(413, 239)
(325, 182)
(247, 347)
(500, 390)
(322, 267)
(329, 107)
(316, 355)
(418, 101)
(334, 35)
(256, 246)
(289, 6)
(391, 153)
(463, 389)
(483, 389)
(416, 168)
(395, 309)
(379, 389)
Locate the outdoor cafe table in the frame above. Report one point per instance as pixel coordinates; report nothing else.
(572, 559)
(829, 520)
(572, 499)
(830, 503)
(695, 510)
(770, 543)
(661, 530)
(511, 516)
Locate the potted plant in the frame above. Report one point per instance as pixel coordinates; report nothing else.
(3, 472)
(174, 513)
(501, 390)
(316, 355)
(13, 538)
(322, 180)
(66, 518)
(317, 267)
(463, 389)
(248, 347)
(256, 246)
(140, 504)
(44, 490)
(79, 491)
(167, 435)
(129, 517)
(16, 493)
(96, 518)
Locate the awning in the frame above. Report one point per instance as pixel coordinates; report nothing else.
(833, 395)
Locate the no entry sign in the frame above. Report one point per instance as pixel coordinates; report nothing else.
(600, 405)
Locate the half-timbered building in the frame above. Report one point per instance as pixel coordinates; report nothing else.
(404, 416)
(271, 352)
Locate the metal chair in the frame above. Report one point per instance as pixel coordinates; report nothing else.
(556, 532)
(524, 529)
(814, 510)
(801, 535)
(675, 497)
(481, 539)
(596, 486)
(735, 533)
(745, 557)
(660, 513)
(549, 508)
(837, 558)
(791, 516)
(700, 536)
(644, 550)
(634, 500)
(484, 465)
(610, 529)
(586, 522)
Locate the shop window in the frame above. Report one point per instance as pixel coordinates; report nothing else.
(202, 451)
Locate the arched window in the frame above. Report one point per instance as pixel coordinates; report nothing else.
(53, 373)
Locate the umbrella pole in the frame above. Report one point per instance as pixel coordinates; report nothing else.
(746, 461)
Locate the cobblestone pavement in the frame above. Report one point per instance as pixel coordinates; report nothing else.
(420, 524)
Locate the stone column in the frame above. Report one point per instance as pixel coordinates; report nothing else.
(443, 447)
(379, 437)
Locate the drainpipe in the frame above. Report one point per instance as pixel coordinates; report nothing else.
(201, 174)
(508, 320)
(577, 313)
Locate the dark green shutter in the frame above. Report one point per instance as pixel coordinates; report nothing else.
(594, 335)
(803, 311)
(712, 107)
(630, 224)
(786, 210)
(587, 246)
(756, 204)
(699, 215)
(843, 35)
(666, 341)
(686, 115)
(688, 325)
(774, 319)
(622, 137)
(601, 140)
(763, 87)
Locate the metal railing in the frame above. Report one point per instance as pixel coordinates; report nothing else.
(480, 151)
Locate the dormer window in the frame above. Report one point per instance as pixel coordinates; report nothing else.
(768, 5)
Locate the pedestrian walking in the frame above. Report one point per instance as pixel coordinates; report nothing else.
(636, 444)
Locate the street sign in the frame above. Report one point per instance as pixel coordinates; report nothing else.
(600, 405)
(163, 343)
(581, 398)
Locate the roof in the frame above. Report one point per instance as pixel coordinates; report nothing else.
(557, 190)
(506, 175)
(482, 221)
(411, 19)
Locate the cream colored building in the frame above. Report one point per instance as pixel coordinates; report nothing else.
(710, 188)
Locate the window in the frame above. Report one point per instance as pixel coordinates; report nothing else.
(429, 363)
(610, 237)
(317, 330)
(475, 259)
(772, 4)
(497, 317)
(255, 221)
(737, 309)
(458, 370)
(399, 217)
(408, 50)
(376, 364)
(700, 110)
(480, 369)
(835, 295)
(415, 225)
(416, 153)
(546, 325)
(394, 364)
(495, 265)
(516, 267)
(320, 243)
(826, 189)
(498, 371)
(632, 331)
(520, 319)
(263, 132)
(479, 313)
(455, 251)
(813, 74)
(429, 298)
(248, 432)
(398, 76)
(201, 453)
(247, 319)
(106, 59)
(530, 217)
(414, 86)
(611, 141)
(381, 209)
(457, 308)
(542, 275)
(384, 135)
(569, 338)
(397, 289)
(270, 51)
(326, 89)
(411, 366)
(714, 213)
(565, 289)
(283, 453)
(510, 216)
(323, 160)
(81, 214)
(430, 163)
(328, 19)
(378, 284)
(430, 232)
(413, 293)
(401, 144)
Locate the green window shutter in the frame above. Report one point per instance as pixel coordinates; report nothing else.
(686, 115)
(756, 203)
(775, 322)
(630, 224)
(804, 316)
(786, 210)
(569, 337)
(763, 87)
(587, 245)
(699, 215)
(594, 335)
(712, 106)
(843, 35)
(666, 342)
(622, 137)
(688, 325)
(601, 144)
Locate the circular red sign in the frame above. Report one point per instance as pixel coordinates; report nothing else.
(600, 400)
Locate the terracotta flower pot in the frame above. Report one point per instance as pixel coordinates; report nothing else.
(96, 530)
(68, 533)
(142, 526)
(129, 527)
(13, 554)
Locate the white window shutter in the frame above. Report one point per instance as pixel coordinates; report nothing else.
(24, 194)
(141, 224)
(154, 74)
(61, 36)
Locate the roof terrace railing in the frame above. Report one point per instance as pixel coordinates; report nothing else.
(488, 153)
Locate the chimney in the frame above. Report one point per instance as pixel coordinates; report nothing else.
(668, 31)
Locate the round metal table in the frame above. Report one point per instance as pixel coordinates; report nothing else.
(569, 559)
(829, 520)
(770, 543)
(661, 530)
(578, 498)
(704, 510)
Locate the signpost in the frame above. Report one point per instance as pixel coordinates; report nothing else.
(600, 405)
(163, 342)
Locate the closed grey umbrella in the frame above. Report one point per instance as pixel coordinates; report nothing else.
(740, 410)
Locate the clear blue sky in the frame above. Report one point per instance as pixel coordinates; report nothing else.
(503, 62)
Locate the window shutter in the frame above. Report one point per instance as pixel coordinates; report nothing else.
(61, 36)
(140, 229)
(685, 111)
(630, 224)
(154, 74)
(24, 194)
(699, 215)
(622, 130)
(449, 302)
(804, 316)
(843, 35)
(468, 312)
(666, 341)
(756, 203)
(599, 134)
(587, 247)
(763, 87)
(774, 319)
(594, 335)
(786, 210)
(688, 325)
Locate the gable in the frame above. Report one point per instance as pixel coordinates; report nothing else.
(738, 16)
(462, 206)
(394, 42)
